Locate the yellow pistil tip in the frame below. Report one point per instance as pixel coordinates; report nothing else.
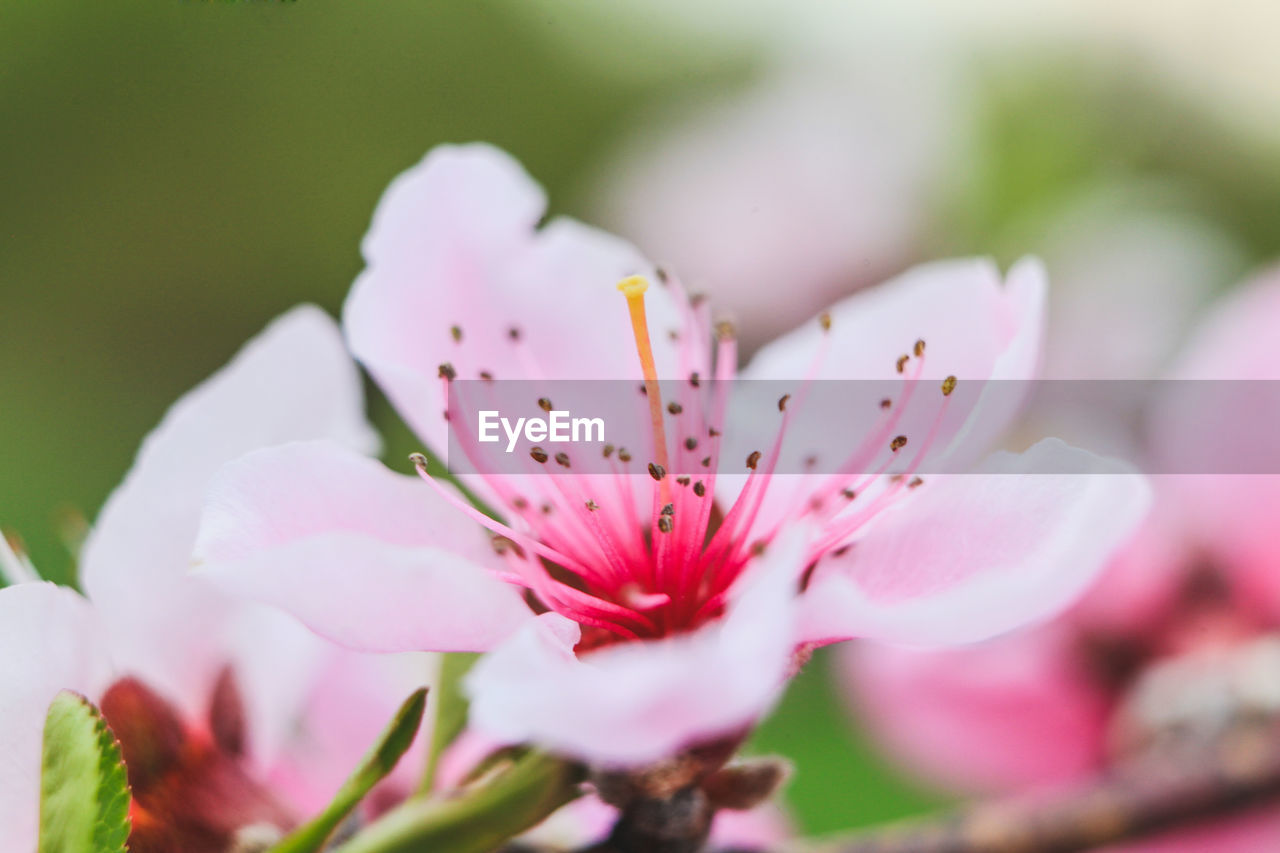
(633, 286)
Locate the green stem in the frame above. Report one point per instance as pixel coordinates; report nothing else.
(478, 821)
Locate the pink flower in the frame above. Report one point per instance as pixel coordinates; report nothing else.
(1178, 630)
(671, 608)
(232, 703)
(821, 179)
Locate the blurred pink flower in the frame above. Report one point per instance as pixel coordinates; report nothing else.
(233, 704)
(816, 184)
(672, 614)
(1179, 630)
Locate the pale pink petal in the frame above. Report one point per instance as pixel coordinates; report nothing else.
(373, 596)
(1002, 715)
(350, 700)
(373, 560)
(640, 701)
(294, 381)
(1232, 515)
(278, 495)
(458, 273)
(966, 557)
(976, 327)
(49, 641)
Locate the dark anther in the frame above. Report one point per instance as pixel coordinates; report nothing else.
(694, 379)
(669, 509)
(898, 443)
(539, 455)
(824, 320)
(544, 404)
(674, 408)
(447, 372)
(902, 362)
(608, 451)
(700, 489)
(656, 471)
(665, 524)
(690, 443)
(683, 479)
(456, 333)
(918, 349)
(514, 333)
(782, 402)
(849, 494)
(706, 462)
(886, 403)
(592, 506)
(486, 376)
(753, 459)
(948, 385)
(624, 454)
(915, 483)
(562, 459)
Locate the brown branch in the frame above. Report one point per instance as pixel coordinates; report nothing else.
(1242, 769)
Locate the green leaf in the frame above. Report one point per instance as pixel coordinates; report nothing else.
(84, 789)
(377, 763)
(450, 710)
(479, 820)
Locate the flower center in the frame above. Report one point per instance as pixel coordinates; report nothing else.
(190, 785)
(641, 547)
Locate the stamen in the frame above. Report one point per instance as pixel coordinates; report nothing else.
(447, 372)
(633, 288)
(948, 385)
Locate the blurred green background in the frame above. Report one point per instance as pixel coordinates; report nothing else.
(174, 174)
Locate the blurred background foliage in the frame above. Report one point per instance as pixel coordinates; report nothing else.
(174, 174)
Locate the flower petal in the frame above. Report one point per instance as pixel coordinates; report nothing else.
(967, 557)
(975, 327)
(458, 273)
(49, 641)
(998, 716)
(293, 381)
(643, 700)
(373, 560)
(1231, 515)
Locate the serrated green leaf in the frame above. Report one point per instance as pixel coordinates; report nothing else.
(84, 788)
(377, 763)
(450, 709)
